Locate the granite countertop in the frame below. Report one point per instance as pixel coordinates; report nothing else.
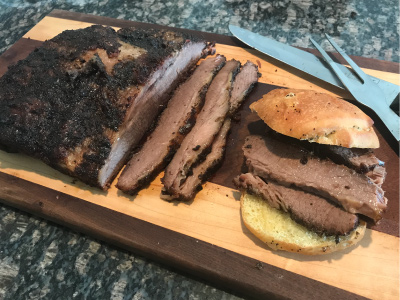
(41, 260)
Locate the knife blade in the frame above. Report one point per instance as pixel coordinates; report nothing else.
(308, 62)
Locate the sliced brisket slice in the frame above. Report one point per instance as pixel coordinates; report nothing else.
(362, 160)
(377, 175)
(242, 86)
(312, 211)
(208, 124)
(271, 159)
(200, 172)
(83, 99)
(174, 123)
(359, 159)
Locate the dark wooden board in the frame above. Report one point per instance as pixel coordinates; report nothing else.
(219, 266)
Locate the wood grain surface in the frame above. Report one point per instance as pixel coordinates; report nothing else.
(206, 237)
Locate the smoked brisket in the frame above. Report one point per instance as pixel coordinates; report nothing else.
(193, 183)
(288, 165)
(362, 160)
(208, 123)
(242, 86)
(312, 211)
(83, 99)
(175, 122)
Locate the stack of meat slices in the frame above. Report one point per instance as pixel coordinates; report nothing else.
(191, 134)
(315, 168)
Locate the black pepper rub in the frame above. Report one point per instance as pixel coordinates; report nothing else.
(59, 98)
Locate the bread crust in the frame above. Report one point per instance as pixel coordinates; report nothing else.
(316, 117)
(279, 232)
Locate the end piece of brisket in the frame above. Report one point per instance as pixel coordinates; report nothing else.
(83, 99)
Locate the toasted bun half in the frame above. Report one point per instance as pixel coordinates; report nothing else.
(316, 117)
(277, 230)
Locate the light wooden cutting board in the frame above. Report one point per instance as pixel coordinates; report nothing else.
(206, 237)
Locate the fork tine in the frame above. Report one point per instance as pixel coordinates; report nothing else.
(355, 67)
(339, 73)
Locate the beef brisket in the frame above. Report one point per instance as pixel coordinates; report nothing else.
(192, 185)
(362, 160)
(208, 123)
(377, 175)
(174, 123)
(271, 159)
(82, 100)
(242, 86)
(312, 211)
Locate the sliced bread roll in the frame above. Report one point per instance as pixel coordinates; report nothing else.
(277, 230)
(316, 117)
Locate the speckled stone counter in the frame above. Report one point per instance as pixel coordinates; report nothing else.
(41, 260)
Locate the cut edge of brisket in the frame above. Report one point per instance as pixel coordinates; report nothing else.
(243, 84)
(362, 160)
(273, 160)
(200, 172)
(208, 123)
(312, 211)
(72, 102)
(174, 123)
(147, 106)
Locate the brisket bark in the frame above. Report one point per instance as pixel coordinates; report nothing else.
(289, 165)
(174, 123)
(208, 123)
(82, 100)
(242, 86)
(362, 160)
(312, 211)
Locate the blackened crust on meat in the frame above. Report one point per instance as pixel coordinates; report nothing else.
(71, 44)
(48, 112)
(158, 43)
(66, 103)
